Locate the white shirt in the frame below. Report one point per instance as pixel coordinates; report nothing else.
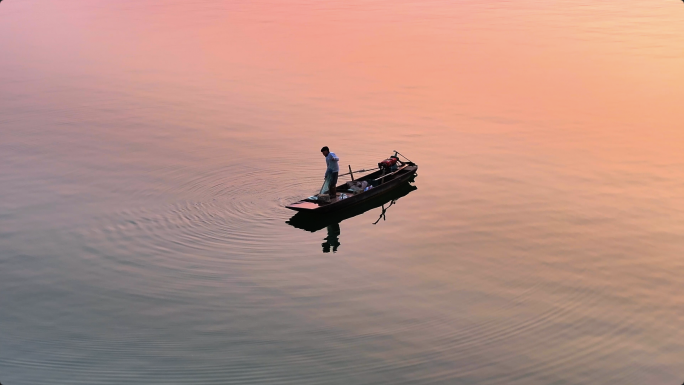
(331, 160)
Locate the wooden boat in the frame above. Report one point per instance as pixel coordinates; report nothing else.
(383, 182)
(313, 222)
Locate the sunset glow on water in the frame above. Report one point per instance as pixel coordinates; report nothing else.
(148, 150)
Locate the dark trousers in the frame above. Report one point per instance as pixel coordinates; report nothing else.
(332, 189)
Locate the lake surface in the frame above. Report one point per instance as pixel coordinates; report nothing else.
(148, 150)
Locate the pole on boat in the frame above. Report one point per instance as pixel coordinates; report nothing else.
(370, 169)
(351, 172)
(397, 152)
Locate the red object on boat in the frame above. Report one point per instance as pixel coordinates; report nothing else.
(387, 163)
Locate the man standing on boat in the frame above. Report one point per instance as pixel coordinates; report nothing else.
(332, 171)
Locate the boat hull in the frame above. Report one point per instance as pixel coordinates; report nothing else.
(311, 221)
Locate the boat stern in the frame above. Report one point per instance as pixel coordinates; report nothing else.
(303, 206)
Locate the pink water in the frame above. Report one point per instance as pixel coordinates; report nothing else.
(148, 148)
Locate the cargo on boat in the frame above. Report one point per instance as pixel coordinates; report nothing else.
(391, 174)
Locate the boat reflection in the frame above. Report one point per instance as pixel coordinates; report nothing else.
(331, 221)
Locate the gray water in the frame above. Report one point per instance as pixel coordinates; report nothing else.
(148, 150)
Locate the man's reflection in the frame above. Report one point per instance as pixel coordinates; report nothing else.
(331, 240)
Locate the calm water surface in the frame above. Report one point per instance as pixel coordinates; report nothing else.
(148, 150)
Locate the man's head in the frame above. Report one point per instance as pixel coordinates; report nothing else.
(325, 150)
